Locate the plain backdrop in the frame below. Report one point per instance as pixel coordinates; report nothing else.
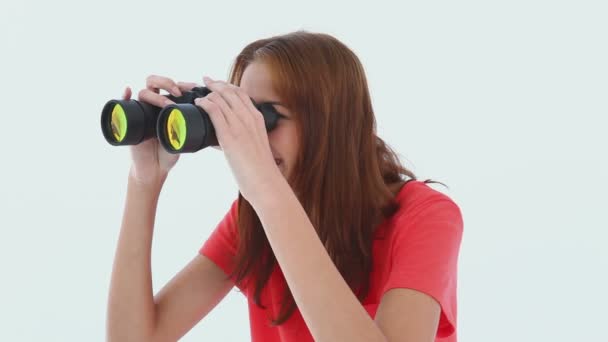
(503, 101)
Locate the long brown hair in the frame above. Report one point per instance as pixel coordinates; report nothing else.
(343, 169)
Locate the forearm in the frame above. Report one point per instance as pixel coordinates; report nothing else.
(131, 309)
(329, 307)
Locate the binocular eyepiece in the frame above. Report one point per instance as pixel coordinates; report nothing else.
(181, 127)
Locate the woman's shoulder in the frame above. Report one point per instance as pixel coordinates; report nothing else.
(414, 192)
(415, 197)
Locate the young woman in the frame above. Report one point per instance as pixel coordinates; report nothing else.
(330, 238)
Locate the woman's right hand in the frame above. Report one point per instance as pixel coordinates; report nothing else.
(150, 162)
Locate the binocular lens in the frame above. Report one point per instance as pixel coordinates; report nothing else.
(176, 129)
(181, 127)
(118, 123)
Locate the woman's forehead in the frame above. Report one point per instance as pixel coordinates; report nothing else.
(257, 77)
(258, 84)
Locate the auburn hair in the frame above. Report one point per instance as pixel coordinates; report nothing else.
(343, 169)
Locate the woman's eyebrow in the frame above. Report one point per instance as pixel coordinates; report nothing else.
(273, 103)
(276, 103)
(282, 112)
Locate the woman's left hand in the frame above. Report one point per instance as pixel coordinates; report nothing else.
(242, 135)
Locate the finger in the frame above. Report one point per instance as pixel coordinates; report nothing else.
(226, 90)
(248, 103)
(187, 86)
(228, 95)
(217, 119)
(126, 95)
(149, 96)
(217, 99)
(256, 116)
(155, 83)
(239, 98)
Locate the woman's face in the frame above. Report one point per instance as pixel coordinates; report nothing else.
(283, 139)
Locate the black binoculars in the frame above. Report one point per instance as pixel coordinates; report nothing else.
(181, 127)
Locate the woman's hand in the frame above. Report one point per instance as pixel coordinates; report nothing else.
(242, 135)
(150, 162)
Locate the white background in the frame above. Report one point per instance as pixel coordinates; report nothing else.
(505, 102)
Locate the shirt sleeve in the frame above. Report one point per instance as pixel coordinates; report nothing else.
(425, 256)
(221, 245)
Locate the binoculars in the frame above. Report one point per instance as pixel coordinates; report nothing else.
(181, 127)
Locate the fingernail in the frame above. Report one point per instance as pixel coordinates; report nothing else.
(177, 92)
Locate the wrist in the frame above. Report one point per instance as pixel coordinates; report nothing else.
(153, 181)
(271, 194)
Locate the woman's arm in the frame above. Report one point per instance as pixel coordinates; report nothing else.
(329, 307)
(133, 313)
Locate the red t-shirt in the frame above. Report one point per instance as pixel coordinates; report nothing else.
(416, 248)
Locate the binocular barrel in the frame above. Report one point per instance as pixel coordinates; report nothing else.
(181, 127)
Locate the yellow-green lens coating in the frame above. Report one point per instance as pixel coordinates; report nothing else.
(176, 129)
(119, 123)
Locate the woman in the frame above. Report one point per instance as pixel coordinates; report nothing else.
(327, 239)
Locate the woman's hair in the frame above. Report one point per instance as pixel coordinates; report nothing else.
(343, 169)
